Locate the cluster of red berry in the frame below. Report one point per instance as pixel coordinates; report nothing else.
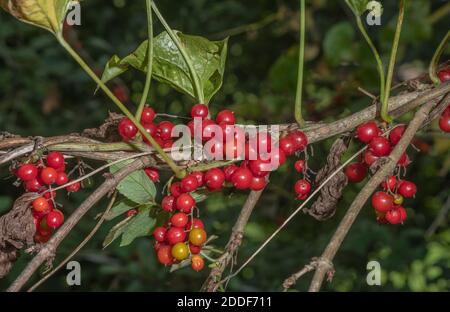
(302, 187)
(444, 120)
(39, 178)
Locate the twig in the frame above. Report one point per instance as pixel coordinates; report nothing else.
(50, 247)
(81, 245)
(350, 216)
(291, 280)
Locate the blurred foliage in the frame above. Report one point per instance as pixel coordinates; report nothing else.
(43, 92)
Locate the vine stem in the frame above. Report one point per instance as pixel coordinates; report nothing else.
(148, 77)
(301, 62)
(195, 79)
(390, 72)
(178, 172)
(434, 61)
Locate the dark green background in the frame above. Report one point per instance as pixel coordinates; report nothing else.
(43, 92)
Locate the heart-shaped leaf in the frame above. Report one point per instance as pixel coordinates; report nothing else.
(208, 59)
(47, 14)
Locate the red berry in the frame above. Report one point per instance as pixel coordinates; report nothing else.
(42, 228)
(389, 184)
(302, 187)
(165, 129)
(300, 166)
(151, 129)
(214, 178)
(33, 185)
(54, 218)
(179, 219)
(48, 175)
(242, 178)
(403, 214)
(226, 117)
(264, 142)
(185, 203)
(259, 167)
(404, 160)
(444, 75)
(444, 122)
(407, 189)
(199, 110)
(197, 237)
(132, 212)
(61, 178)
(164, 255)
(50, 195)
(55, 160)
(367, 131)
(302, 196)
(27, 172)
(160, 234)
(189, 184)
(287, 145)
(195, 250)
(356, 172)
(370, 158)
(278, 158)
(199, 176)
(197, 263)
(175, 235)
(168, 202)
(300, 140)
(396, 134)
(127, 129)
(194, 224)
(229, 171)
(148, 114)
(152, 174)
(393, 216)
(382, 202)
(380, 146)
(175, 189)
(40, 204)
(74, 187)
(258, 183)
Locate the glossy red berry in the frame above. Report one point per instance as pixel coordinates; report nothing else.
(287, 145)
(55, 160)
(50, 195)
(389, 184)
(444, 122)
(159, 234)
(300, 140)
(33, 185)
(393, 216)
(189, 184)
(27, 172)
(242, 178)
(199, 110)
(367, 131)
(61, 178)
(194, 224)
(151, 129)
(404, 160)
(132, 212)
(396, 134)
(382, 202)
(168, 203)
(229, 171)
(152, 174)
(199, 176)
(185, 203)
(403, 214)
(195, 250)
(300, 166)
(40, 204)
(259, 167)
(380, 146)
(226, 117)
(356, 172)
(369, 157)
(175, 189)
(407, 189)
(444, 75)
(164, 255)
(54, 219)
(148, 115)
(127, 129)
(48, 175)
(175, 235)
(302, 187)
(258, 184)
(74, 187)
(197, 237)
(197, 263)
(179, 219)
(165, 130)
(214, 178)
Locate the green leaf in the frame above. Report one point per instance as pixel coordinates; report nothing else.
(120, 208)
(338, 43)
(115, 232)
(208, 58)
(358, 6)
(140, 225)
(47, 14)
(137, 187)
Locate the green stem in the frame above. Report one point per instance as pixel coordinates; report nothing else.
(435, 60)
(375, 54)
(195, 79)
(178, 172)
(390, 73)
(148, 78)
(301, 61)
